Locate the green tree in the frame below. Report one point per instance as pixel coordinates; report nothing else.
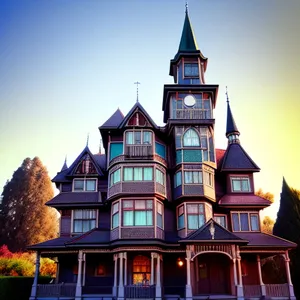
(287, 226)
(267, 225)
(26, 219)
(269, 196)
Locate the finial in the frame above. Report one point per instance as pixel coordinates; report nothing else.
(87, 139)
(212, 230)
(137, 90)
(66, 159)
(186, 7)
(100, 146)
(227, 97)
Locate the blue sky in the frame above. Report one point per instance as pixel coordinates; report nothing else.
(66, 66)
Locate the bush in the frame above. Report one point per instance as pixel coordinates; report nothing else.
(18, 288)
(16, 267)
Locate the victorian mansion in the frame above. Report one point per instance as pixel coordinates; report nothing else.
(163, 214)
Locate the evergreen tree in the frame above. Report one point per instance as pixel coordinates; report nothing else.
(25, 218)
(287, 226)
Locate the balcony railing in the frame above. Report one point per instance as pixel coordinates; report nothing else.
(56, 290)
(272, 290)
(133, 151)
(140, 291)
(193, 114)
(252, 291)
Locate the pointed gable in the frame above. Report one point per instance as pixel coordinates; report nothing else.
(221, 234)
(237, 159)
(188, 41)
(138, 116)
(80, 166)
(114, 121)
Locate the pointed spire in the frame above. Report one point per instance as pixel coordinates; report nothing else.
(65, 166)
(232, 132)
(137, 90)
(188, 42)
(87, 140)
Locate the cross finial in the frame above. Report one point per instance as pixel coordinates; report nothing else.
(227, 97)
(137, 90)
(186, 7)
(87, 139)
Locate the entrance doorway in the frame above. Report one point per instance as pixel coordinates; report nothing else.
(213, 274)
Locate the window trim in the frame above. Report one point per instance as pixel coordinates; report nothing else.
(72, 220)
(249, 213)
(240, 178)
(193, 171)
(84, 184)
(221, 215)
(141, 131)
(143, 174)
(114, 214)
(192, 64)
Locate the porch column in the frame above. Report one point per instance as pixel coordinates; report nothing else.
(234, 272)
(188, 288)
(115, 275)
(152, 268)
(79, 276)
(158, 277)
(262, 285)
(84, 269)
(57, 271)
(36, 275)
(288, 275)
(121, 285)
(240, 290)
(125, 268)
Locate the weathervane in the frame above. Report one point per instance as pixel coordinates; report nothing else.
(227, 95)
(137, 90)
(186, 7)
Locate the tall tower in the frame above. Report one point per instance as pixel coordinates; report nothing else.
(188, 106)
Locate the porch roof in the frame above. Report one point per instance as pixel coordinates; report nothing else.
(220, 235)
(260, 239)
(54, 243)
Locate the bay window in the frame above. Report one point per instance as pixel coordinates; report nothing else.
(138, 137)
(191, 138)
(195, 216)
(84, 220)
(137, 212)
(115, 177)
(115, 215)
(83, 184)
(192, 177)
(159, 177)
(180, 217)
(138, 173)
(245, 221)
(159, 215)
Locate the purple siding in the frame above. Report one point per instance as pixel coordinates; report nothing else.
(67, 187)
(65, 225)
(193, 190)
(137, 233)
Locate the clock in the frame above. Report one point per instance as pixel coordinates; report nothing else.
(189, 100)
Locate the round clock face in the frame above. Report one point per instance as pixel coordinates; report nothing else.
(189, 100)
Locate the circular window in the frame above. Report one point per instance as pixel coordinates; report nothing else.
(189, 100)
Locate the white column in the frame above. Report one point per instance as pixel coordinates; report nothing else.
(158, 277)
(234, 272)
(288, 275)
(262, 285)
(36, 275)
(115, 275)
(121, 285)
(79, 276)
(188, 288)
(57, 271)
(84, 269)
(125, 268)
(152, 268)
(240, 290)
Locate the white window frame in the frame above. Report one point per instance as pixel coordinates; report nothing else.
(85, 180)
(73, 219)
(142, 137)
(251, 213)
(240, 179)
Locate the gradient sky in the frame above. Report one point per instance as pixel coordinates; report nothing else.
(66, 66)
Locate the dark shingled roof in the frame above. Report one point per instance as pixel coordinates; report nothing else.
(231, 125)
(93, 237)
(243, 199)
(221, 234)
(100, 160)
(114, 121)
(55, 243)
(257, 239)
(237, 159)
(75, 198)
(137, 106)
(61, 177)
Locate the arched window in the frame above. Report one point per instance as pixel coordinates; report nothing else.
(191, 138)
(141, 270)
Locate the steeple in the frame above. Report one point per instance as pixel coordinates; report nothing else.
(65, 166)
(188, 65)
(188, 41)
(232, 132)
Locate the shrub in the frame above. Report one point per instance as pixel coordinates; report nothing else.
(15, 267)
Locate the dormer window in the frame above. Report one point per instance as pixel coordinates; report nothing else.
(191, 70)
(84, 185)
(240, 184)
(245, 221)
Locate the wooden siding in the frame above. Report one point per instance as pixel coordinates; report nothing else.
(140, 151)
(65, 225)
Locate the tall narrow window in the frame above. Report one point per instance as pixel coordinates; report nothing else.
(177, 179)
(141, 270)
(159, 215)
(191, 138)
(115, 215)
(180, 217)
(159, 175)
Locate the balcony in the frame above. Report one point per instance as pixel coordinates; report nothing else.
(139, 151)
(195, 114)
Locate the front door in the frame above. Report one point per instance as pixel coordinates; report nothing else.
(213, 274)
